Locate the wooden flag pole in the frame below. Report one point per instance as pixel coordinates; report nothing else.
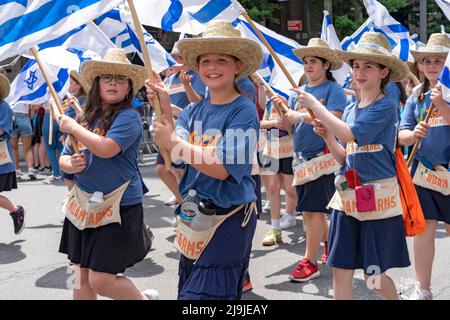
(53, 93)
(416, 145)
(274, 55)
(149, 69)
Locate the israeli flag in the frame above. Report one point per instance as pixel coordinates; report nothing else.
(349, 42)
(29, 87)
(269, 69)
(188, 16)
(395, 32)
(445, 6)
(117, 25)
(444, 80)
(330, 37)
(25, 23)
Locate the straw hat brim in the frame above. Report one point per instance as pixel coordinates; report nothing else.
(399, 69)
(248, 51)
(420, 55)
(93, 68)
(84, 84)
(327, 54)
(4, 86)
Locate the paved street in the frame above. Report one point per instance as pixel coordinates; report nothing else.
(32, 268)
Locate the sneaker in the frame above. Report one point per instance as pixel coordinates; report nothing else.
(18, 219)
(325, 253)
(420, 293)
(247, 284)
(51, 179)
(32, 174)
(272, 238)
(47, 170)
(287, 221)
(151, 294)
(19, 174)
(171, 201)
(266, 207)
(305, 271)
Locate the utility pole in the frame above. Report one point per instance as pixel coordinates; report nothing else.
(423, 21)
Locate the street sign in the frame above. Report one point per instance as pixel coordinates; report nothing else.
(294, 25)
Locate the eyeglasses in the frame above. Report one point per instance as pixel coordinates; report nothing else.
(107, 78)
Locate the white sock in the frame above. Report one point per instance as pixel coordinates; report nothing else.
(290, 215)
(276, 224)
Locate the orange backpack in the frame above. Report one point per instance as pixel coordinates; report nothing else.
(413, 218)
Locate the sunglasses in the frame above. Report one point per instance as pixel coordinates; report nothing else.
(107, 78)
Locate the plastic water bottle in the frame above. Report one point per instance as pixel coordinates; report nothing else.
(189, 207)
(204, 219)
(96, 198)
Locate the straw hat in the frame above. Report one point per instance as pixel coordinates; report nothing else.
(318, 48)
(175, 51)
(438, 45)
(115, 62)
(79, 78)
(4, 86)
(221, 37)
(374, 47)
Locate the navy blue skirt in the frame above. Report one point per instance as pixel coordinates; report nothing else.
(374, 246)
(435, 205)
(220, 271)
(8, 181)
(314, 196)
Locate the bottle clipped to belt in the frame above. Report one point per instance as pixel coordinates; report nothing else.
(340, 182)
(204, 219)
(96, 198)
(189, 207)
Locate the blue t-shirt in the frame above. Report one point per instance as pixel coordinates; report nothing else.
(177, 93)
(211, 124)
(105, 175)
(393, 92)
(375, 130)
(6, 125)
(436, 145)
(332, 96)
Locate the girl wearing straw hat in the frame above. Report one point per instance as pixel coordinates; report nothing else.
(103, 233)
(218, 163)
(314, 191)
(366, 228)
(7, 169)
(433, 155)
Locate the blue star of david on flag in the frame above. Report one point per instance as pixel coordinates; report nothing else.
(31, 80)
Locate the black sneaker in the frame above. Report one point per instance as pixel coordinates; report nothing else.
(18, 219)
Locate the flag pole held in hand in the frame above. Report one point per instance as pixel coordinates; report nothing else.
(416, 145)
(59, 109)
(148, 68)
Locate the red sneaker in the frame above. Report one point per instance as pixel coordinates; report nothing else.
(305, 271)
(325, 253)
(247, 284)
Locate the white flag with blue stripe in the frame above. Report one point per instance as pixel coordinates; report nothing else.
(117, 25)
(283, 46)
(29, 86)
(444, 80)
(445, 7)
(395, 32)
(330, 37)
(25, 23)
(188, 16)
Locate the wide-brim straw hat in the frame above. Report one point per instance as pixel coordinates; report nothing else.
(374, 47)
(4, 86)
(318, 48)
(115, 62)
(221, 37)
(79, 78)
(175, 51)
(437, 46)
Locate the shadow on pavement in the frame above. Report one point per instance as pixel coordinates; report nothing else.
(12, 252)
(144, 269)
(60, 278)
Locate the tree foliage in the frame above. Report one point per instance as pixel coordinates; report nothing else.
(261, 10)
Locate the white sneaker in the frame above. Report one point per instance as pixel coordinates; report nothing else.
(266, 207)
(151, 294)
(19, 174)
(287, 221)
(51, 179)
(171, 201)
(420, 293)
(32, 174)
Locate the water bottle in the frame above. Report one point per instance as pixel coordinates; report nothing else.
(298, 159)
(189, 207)
(204, 218)
(96, 198)
(340, 182)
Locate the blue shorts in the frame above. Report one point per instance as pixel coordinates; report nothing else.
(21, 125)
